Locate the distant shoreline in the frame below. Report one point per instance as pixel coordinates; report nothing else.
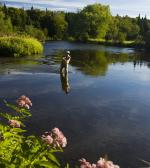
(126, 44)
(130, 44)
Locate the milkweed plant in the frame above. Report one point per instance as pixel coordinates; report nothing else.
(18, 150)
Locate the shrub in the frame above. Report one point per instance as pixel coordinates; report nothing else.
(19, 150)
(6, 26)
(121, 37)
(19, 46)
(36, 33)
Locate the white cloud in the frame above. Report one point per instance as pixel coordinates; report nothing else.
(122, 7)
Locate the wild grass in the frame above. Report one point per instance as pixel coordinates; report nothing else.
(19, 46)
(125, 43)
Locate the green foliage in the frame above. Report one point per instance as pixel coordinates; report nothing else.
(96, 18)
(34, 32)
(5, 24)
(129, 26)
(92, 22)
(19, 46)
(147, 164)
(121, 37)
(18, 150)
(147, 39)
(122, 28)
(60, 25)
(17, 16)
(113, 30)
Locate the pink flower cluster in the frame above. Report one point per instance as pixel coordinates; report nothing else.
(14, 123)
(101, 163)
(24, 101)
(55, 138)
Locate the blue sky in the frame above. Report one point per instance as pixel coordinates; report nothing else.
(121, 7)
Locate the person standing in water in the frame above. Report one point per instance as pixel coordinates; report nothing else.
(64, 63)
(64, 72)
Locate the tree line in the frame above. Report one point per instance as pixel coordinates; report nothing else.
(92, 22)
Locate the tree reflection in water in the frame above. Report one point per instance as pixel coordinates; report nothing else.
(95, 63)
(90, 63)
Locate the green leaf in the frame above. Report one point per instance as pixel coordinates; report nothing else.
(56, 150)
(67, 166)
(13, 107)
(53, 158)
(13, 135)
(25, 112)
(7, 116)
(17, 130)
(47, 164)
(146, 162)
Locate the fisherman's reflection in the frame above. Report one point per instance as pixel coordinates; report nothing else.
(64, 72)
(65, 82)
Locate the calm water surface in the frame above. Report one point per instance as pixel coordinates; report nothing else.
(107, 109)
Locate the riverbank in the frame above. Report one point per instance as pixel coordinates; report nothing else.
(127, 43)
(19, 46)
(25, 46)
(132, 44)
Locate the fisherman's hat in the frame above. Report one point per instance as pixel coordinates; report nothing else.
(68, 52)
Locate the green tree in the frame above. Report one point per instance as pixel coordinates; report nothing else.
(96, 19)
(76, 27)
(35, 16)
(6, 25)
(113, 30)
(60, 25)
(15, 16)
(147, 39)
(55, 24)
(34, 32)
(130, 27)
(121, 37)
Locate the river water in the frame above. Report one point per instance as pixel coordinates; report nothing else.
(102, 106)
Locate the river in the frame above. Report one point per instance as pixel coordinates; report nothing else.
(102, 106)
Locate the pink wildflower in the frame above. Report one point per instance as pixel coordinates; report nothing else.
(93, 166)
(14, 123)
(102, 163)
(84, 163)
(60, 139)
(24, 101)
(47, 139)
(55, 138)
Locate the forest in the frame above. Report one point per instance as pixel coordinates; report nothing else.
(93, 23)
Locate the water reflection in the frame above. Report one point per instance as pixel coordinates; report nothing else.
(64, 72)
(95, 63)
(9, 65)
(90, 63)
(65, 82)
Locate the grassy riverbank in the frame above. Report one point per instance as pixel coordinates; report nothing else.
(116, 43)
(19, 46)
